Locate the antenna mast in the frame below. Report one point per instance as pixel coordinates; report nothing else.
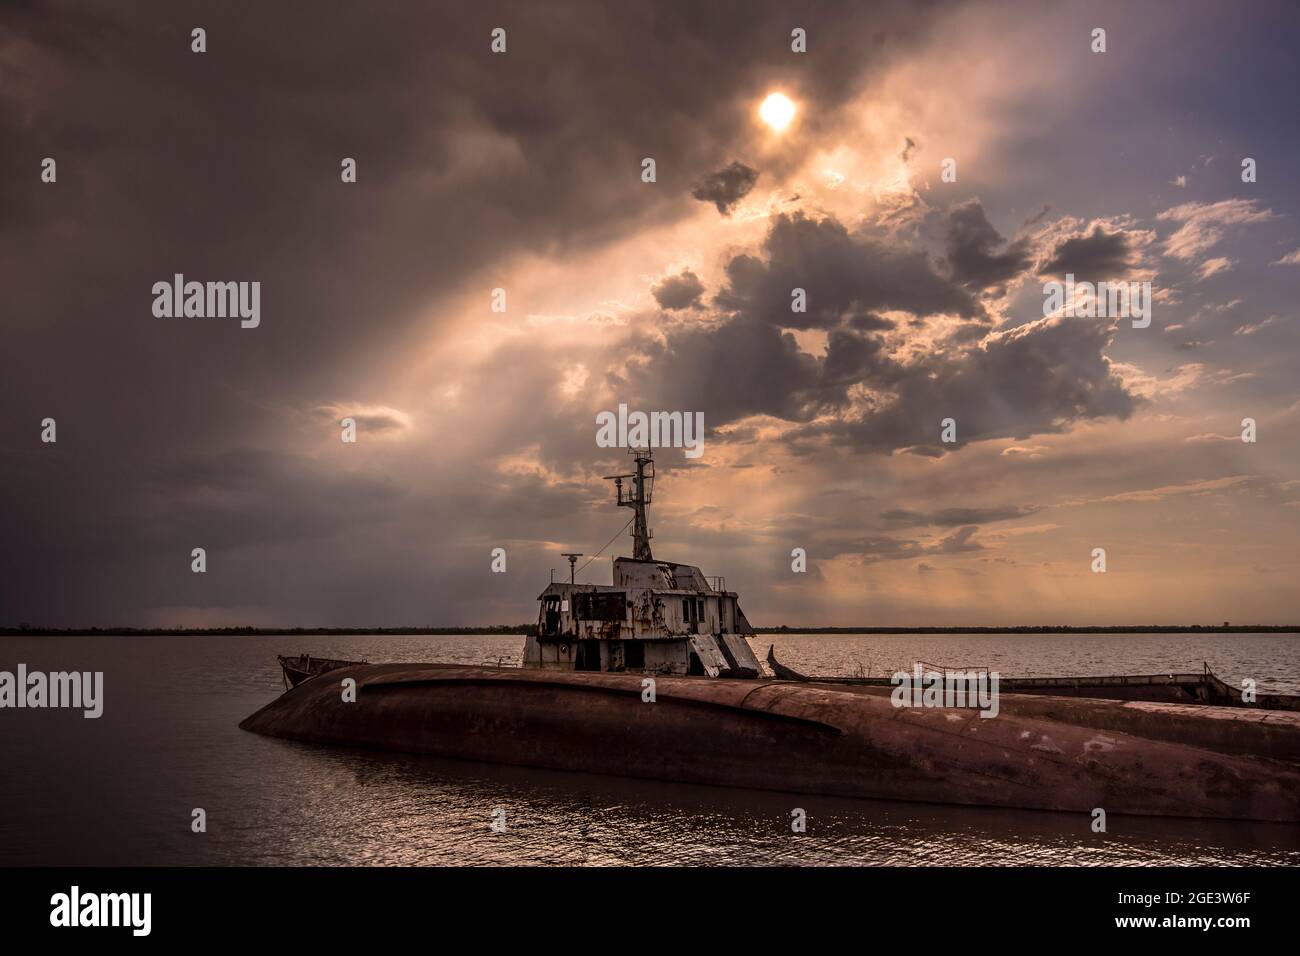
(638, 497)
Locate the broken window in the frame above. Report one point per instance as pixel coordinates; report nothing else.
(600, 605)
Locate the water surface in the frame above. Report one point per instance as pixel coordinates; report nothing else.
(120, 789)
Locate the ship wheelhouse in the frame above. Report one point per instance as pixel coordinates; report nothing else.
(658, 617)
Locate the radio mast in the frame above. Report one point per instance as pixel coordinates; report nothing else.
(638, 497)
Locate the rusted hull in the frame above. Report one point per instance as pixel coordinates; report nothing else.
(807, 738)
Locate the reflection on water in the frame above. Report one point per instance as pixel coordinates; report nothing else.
(385, 808)
(121, 789)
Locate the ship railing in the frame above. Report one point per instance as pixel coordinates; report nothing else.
(946, 670)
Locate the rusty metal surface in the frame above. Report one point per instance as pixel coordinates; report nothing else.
(1230, 730)
(810, 738)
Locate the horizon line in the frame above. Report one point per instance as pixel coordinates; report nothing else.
(522, 629)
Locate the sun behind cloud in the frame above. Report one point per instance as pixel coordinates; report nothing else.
(777, 111)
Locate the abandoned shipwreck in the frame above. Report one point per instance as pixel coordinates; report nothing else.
(631, 679)
(657, 617)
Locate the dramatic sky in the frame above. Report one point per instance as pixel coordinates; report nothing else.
(522, 171)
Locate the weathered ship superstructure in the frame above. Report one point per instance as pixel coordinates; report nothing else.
(658, 617)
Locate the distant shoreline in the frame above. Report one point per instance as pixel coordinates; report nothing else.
(1050, 629)
(503, 629)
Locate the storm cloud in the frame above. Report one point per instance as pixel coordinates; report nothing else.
(842, 275)
(1037, 378)
(1098, 256)
(727, 186)
(972, 249)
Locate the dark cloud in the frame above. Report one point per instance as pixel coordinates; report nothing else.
(732, 370)
(850, 357)
(681, 291)
(870, 322)
(972, 246)
(1039, 377)
(726, 187)
(1036, 378)
(1098, 255)
(953, 517)
(843, 275)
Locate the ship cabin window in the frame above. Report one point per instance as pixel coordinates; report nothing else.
(692, 610)
(600, 606)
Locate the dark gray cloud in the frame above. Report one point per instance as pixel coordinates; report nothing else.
(1037, 378)
(842, 274)
(972, 249)
(726, 187)
(1097, 255)
(681, 291)
(734, 369)
(869, 322)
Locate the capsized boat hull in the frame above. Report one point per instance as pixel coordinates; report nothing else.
(799, 737)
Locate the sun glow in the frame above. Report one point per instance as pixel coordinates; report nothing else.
(777, 111)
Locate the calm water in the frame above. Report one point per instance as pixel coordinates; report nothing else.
(120, 790)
